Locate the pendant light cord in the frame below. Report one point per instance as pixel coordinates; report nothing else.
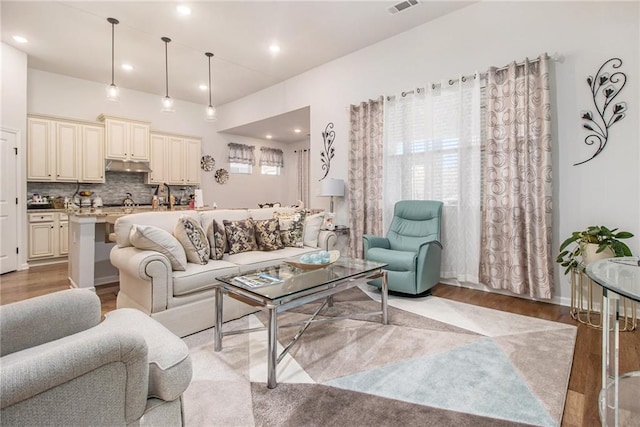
(112, 51)
(166, 66)
(210, 81)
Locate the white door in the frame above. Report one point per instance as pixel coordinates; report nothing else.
(8, 205)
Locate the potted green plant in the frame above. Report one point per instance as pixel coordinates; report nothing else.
(594, 243)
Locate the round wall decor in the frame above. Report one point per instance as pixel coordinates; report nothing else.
(222, 176)
(207, 163)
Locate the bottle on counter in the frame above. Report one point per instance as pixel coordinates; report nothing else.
(154, 203)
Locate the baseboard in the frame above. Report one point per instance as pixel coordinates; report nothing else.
(106, 280)
(478, 287)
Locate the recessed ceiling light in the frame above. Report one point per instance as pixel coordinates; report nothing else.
(269, 136)
(274, 48)
(183, 10)
(20, 39)
(297, 130)
(203, 87)
(127, 67)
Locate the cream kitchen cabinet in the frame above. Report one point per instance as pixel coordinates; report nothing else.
(175, 159)
(126, 139)
(48, 235)
(60, 150)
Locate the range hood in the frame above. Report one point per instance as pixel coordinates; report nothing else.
(126, 166)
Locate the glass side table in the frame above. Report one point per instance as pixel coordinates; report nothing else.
(619, 401)
(587, 300)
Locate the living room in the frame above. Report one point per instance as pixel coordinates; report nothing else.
(579, 36)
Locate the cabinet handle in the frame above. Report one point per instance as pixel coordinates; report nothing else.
(52, 227)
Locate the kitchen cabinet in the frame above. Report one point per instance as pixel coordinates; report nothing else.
(92, 154)
(126, 139)
(62, 150)
(175, 159)
(48, 235)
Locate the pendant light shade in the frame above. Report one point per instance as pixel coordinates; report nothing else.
(167, 102)
(211, 110)
(113, 93)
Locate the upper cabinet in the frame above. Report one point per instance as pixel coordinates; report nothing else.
(60, 150)
(175, 159)
(125, 139)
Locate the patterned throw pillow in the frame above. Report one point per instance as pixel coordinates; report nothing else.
(217, 240)
(268, 234)
(291, 228)
(193, 239)
(148, 237)
(240, 236)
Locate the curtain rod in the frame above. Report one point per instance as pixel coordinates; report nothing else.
(554, 57)
(303, 150)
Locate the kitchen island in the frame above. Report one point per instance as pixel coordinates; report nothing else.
(90, 246)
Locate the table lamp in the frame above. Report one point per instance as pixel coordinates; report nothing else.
(332, 188)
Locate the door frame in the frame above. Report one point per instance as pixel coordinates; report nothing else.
(21, 188)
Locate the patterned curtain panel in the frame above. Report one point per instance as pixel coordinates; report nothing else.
(240, 153)
(516, 215)
(432, 144)
(302, 157)
(365, 173)
(271, 157)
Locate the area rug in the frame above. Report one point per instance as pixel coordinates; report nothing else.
(438, 363)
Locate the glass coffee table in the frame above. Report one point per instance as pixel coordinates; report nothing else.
(282, 287)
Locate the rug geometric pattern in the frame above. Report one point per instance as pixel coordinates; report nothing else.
(438, 362)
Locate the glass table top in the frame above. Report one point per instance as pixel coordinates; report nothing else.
(619, 275)
(283, 280)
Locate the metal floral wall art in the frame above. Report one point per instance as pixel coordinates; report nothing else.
(605, 87)
(328, 136)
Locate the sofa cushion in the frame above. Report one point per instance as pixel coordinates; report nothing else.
(197, 278)
(240, 235)
(258, 259)
(217, 240)
(193, 239)
(291, 228)
(312, 224)
(268, 234)
(148, 237)
(165, 220)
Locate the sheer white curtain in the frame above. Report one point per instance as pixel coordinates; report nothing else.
(432, 152)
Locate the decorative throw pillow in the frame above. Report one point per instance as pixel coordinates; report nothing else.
(312, 224)
(291, 228)
(217, 240)
(240, 236)
(268, 234)
(193, 239)
(152, 238)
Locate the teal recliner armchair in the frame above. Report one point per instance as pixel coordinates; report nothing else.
(412, 248)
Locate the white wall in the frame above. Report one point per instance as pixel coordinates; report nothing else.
(13, 116)
(59, 95)
(605, 191)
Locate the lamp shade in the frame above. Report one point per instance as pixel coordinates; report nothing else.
(332, 187)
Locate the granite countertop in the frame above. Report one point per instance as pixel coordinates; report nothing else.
(115, 210)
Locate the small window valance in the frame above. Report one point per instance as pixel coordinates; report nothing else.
(271, 157)
(240, 153)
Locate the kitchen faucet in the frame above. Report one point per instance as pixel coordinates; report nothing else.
(168, 199)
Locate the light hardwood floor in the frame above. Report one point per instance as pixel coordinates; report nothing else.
(581, 407)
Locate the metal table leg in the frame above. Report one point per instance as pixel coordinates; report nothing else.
(384, 298)
(272, 354)
(217, 343)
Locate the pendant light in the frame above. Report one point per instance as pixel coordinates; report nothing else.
(113, 93)
(211, 110)
(167, 102)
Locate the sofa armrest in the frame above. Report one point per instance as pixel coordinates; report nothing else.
(102, 363)
(327, 240)
(371, 241)
(429, 261)
(170, 368)
(143, 268)
(47, 318)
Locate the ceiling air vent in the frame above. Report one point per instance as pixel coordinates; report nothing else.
(404, 5)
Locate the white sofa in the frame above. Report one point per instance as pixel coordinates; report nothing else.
(183, 301)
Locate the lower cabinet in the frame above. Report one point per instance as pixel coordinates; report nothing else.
(48, 235)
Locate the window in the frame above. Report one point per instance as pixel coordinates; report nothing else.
(271, 161)
(241, 158)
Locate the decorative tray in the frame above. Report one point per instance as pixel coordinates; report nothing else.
(295, 262)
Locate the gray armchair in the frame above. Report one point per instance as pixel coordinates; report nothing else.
(412, 248)
(62, 366)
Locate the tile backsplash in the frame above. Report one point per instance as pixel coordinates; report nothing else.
(113, 191)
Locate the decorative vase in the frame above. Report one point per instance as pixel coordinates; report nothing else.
(589, 254)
